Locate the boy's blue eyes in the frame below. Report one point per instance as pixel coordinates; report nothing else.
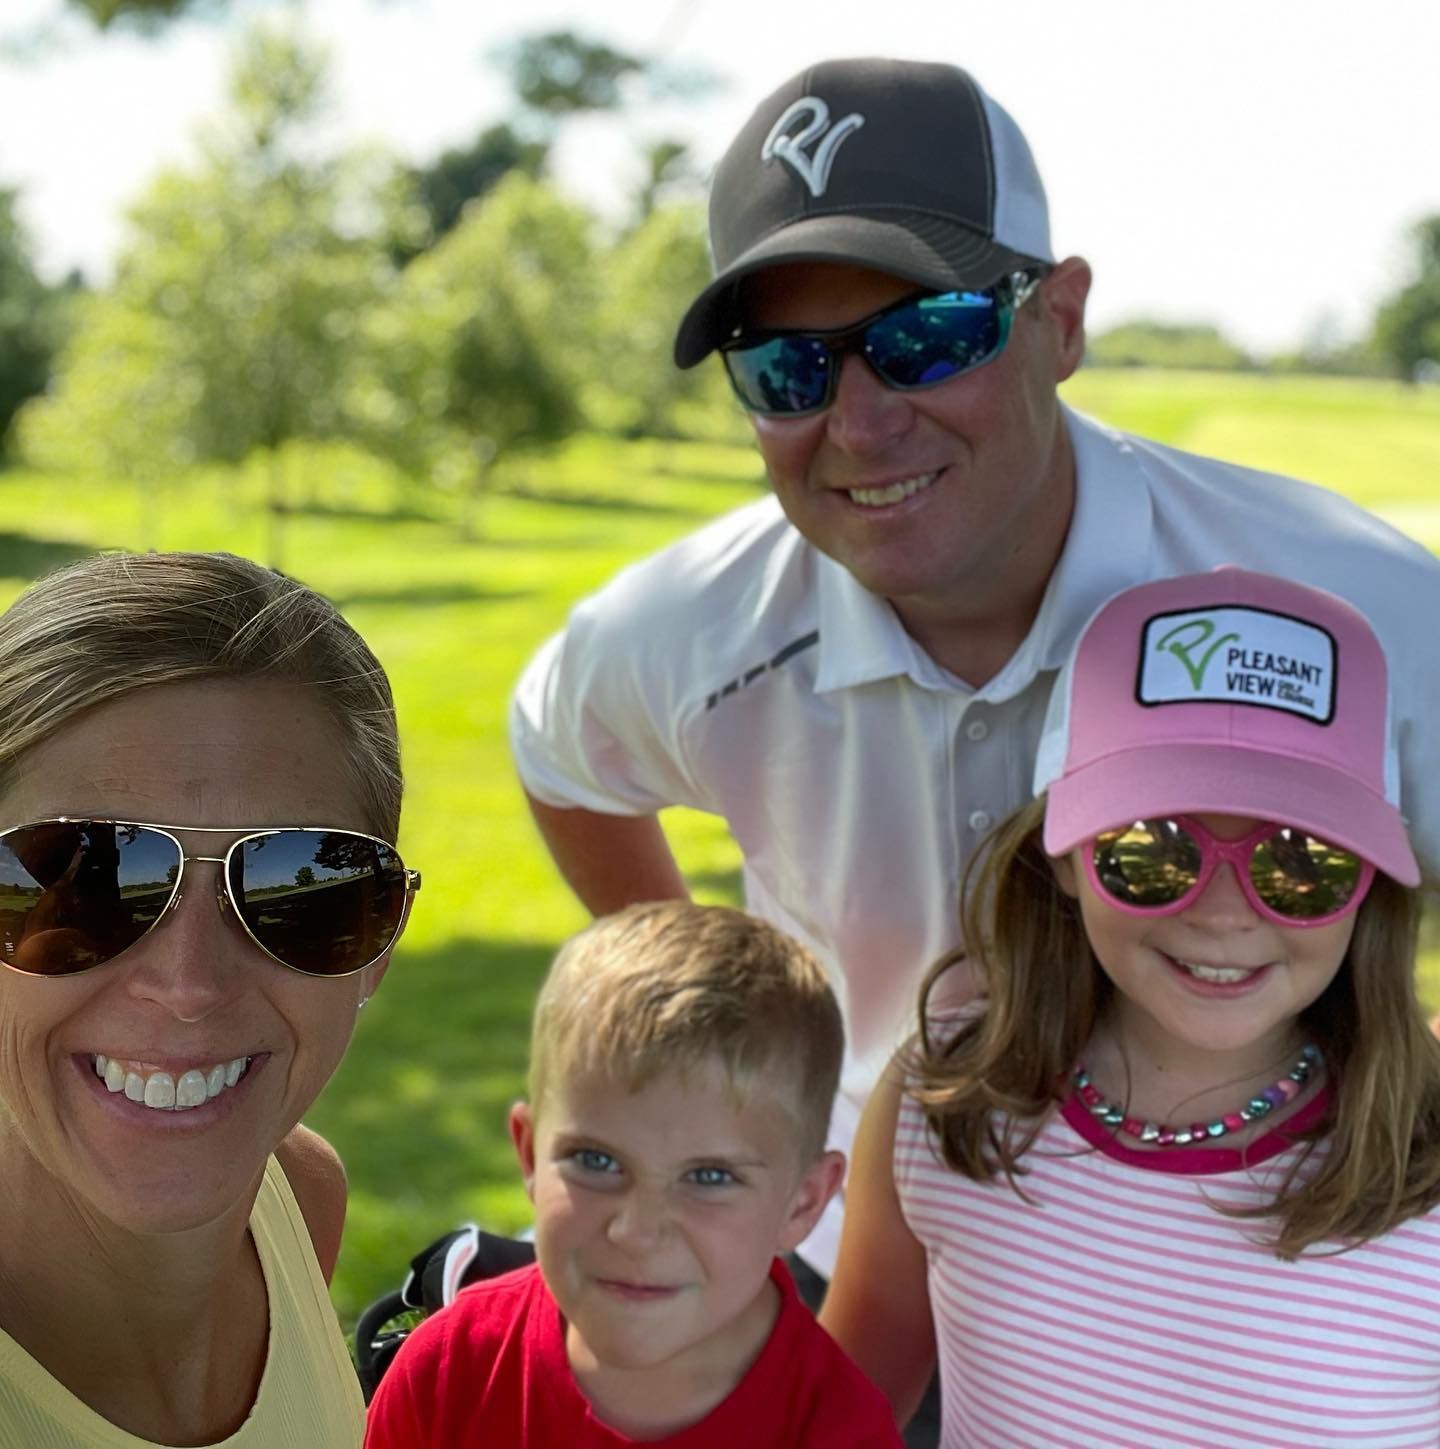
(711, 1176)
(591, 1159)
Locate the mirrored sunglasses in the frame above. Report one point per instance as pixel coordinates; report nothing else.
(917, 342)
(76, 893)
(1160, 866)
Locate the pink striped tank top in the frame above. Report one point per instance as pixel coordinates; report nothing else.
(1121, 1311)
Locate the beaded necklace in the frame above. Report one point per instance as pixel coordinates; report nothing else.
(1260, 1105)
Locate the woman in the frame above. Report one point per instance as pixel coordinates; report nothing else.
(182, 968)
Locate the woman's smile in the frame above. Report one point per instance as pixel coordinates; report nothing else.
(149, 1096)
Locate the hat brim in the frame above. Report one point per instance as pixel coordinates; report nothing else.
(1137, 784)
(918, 246)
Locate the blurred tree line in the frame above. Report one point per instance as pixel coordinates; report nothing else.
(1404, 338)
(31, 319)
(1407, 328)
(1161, 344)
(105, 12)
(447, 317)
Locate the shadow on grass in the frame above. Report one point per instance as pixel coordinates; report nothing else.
(398, 513)
(603, 502)
(419, 1108)
(431, 594)
(546, 543)
(24, 557)
(759, 479)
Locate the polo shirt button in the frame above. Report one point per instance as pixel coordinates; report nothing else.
(977, 729)
(979, 820)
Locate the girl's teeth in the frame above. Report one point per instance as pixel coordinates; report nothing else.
(1220, 975)
(162, 1092)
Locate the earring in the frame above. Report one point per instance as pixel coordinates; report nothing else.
(360, 1005)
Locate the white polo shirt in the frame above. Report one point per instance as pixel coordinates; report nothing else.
(742, 672)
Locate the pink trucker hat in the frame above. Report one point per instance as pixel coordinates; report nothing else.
(1230, 692)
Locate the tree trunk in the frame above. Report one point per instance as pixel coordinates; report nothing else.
(483, 450)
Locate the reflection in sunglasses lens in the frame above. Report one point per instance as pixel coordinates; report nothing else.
(325, 901)
(1302, 877)
(784, 375)
(1155, 863)
(74, 894)
(915, 343)
(934, 338)
(1150, 863)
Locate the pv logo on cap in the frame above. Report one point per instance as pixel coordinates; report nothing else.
(1238, 656)
(780, 145)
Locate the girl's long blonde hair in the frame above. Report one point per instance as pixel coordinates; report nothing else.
(988, 1087)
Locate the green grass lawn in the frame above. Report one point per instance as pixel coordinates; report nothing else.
(418, 1109)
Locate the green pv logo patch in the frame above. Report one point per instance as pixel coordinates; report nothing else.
(1238, 656)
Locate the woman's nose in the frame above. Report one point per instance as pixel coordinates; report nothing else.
(191, 963)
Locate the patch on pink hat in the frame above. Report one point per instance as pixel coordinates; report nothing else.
(1238, 656)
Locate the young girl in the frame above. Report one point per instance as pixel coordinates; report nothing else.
(1170, 1183)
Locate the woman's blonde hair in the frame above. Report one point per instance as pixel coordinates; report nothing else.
(987, 1087)
(107, 626)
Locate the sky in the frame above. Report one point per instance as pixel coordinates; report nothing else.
(1254, 164)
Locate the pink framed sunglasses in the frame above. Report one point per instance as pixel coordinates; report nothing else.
(1159, 866)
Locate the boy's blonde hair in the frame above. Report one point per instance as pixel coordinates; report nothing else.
(987, 1088)
(670, 986)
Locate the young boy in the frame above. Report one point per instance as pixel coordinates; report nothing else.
(683, 1064)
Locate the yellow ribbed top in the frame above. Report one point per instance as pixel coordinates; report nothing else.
(309, 1397)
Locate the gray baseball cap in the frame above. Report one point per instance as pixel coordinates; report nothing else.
(903, 166)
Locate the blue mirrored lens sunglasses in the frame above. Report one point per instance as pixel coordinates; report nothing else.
(918, 342)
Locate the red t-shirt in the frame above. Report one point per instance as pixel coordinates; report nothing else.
(491, 1370)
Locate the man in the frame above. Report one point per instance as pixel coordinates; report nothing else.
(854, 672)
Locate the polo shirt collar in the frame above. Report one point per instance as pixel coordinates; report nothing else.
(1107, 549)
(861, 637)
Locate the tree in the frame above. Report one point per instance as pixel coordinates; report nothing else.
(1164, 344)
(251, 276)
(646, 282)
(1407, 325)
(121, 407)
(468, 173)
(556, 76)
(29, 320)
(1327, 349)
(667, 167)
(560, 73)
(148, 14)
(482, 351)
